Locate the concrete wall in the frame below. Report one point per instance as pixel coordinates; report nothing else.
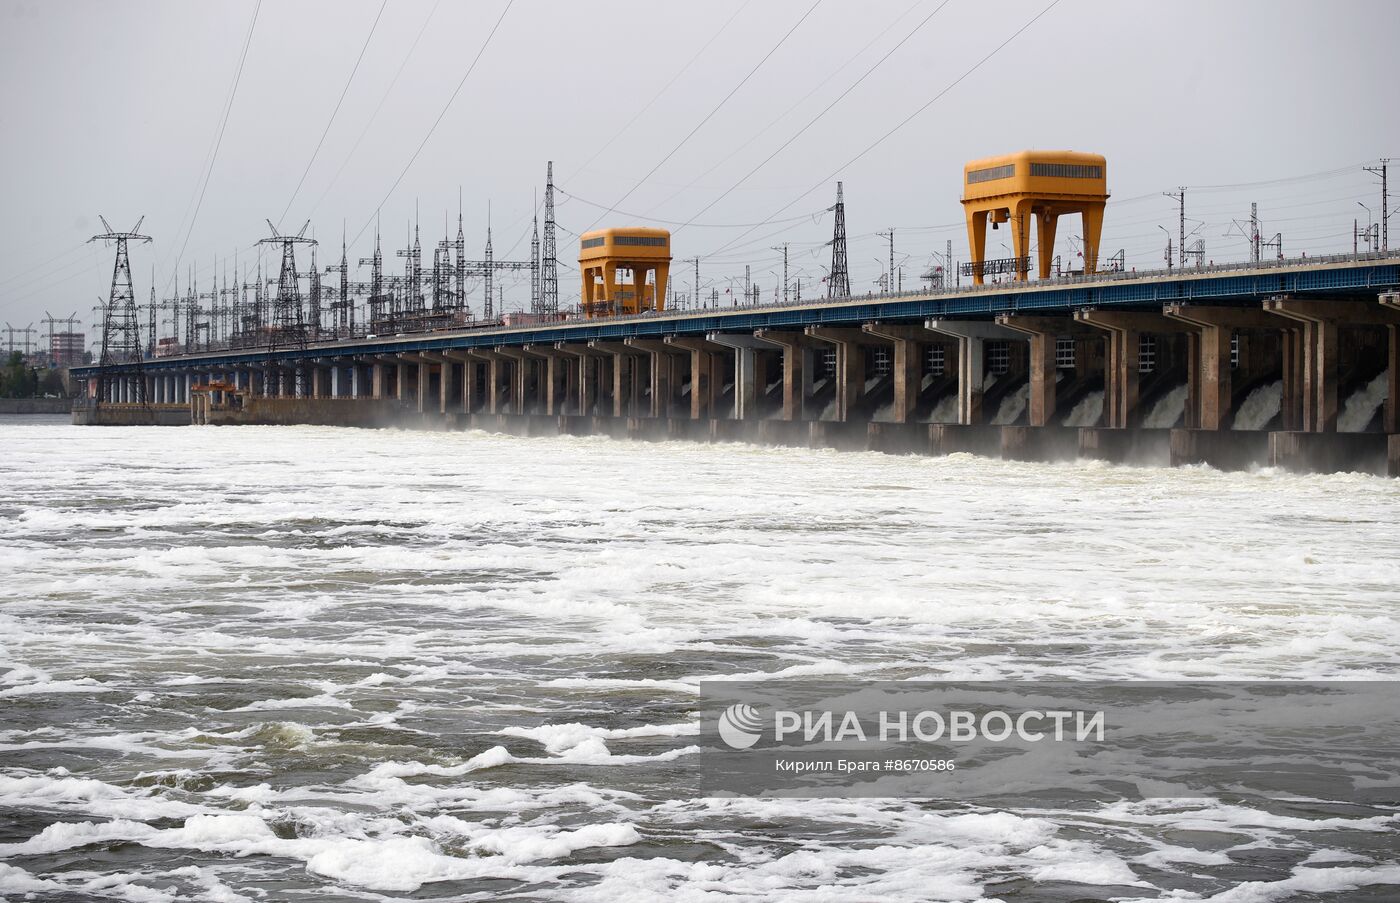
(362, 412)
(132, 415)
(35, 405)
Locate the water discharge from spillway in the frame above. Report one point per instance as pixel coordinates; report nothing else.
(309, 662)
(1259, 407)
(1361, 406)
(1167, 411)
(1088, 412)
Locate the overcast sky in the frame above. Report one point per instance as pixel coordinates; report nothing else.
(114, 109)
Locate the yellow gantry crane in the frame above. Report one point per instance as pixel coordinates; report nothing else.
(1048, 184)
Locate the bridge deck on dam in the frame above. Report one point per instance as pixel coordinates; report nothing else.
(1299, 360)
(1336, 276)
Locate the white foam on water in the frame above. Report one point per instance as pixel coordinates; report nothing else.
(1325, 883)
(15, 880)
(557, 738)
(89, 797)
(389, 658)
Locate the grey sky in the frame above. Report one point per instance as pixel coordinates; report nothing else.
(112, 108)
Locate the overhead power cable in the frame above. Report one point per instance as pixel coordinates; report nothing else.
(436, 122)
(708, 116)
(218, 142)
(340, 100)
(370, 122)
(664, 88)
(773, 121)
(671, 222)
(813, 121)
(903, 122)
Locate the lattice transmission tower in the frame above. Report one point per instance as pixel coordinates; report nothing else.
(121, 327)
(549, 269)
(535, 268)
(839, 283)
(287, 328)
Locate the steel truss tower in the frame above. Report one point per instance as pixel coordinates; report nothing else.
(121, 327)
(377, 298)
(413, 274)
(490, 268)
(535, 268)
(288, 325)
(839, 283)
(549, 274)
(461, 248)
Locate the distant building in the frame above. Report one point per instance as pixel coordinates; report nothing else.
(521, 318)
(67, 349)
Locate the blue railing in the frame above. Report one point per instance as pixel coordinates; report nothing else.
(1220, 282)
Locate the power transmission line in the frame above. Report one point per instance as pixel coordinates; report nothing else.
(827, 109)
(679, 72)
(343, 91)
(387, 91)
(218, 142)
(902, 123)
(672, 222)
(447, 106)
(790, 110)
(710, 115)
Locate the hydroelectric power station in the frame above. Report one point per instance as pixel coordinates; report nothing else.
(1227, 364)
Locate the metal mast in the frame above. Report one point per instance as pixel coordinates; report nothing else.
(889, 277)
(839, 285)
(444, 299)
(1180, 196)
(1385, 201)
(347, 310)
(1254, 233)
(413, 273)
(121, 328)
(314, 298)
(461, 247)
(486, 311)
(784, 249)
(549, 275)
(535, 268)
(376, 281)
(151, 342)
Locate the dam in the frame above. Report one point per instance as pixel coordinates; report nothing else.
(1290, 362)
(868, 372)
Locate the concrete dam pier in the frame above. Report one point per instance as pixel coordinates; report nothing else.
(1290, 363)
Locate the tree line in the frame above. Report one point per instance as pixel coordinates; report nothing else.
(20, 381)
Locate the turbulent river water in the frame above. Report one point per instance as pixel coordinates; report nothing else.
(265, 663)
